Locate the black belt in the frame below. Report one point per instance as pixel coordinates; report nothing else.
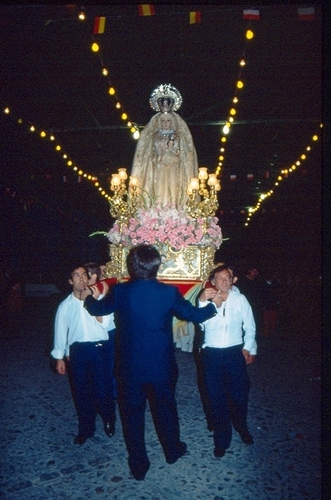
(98, 343)
(231, 348)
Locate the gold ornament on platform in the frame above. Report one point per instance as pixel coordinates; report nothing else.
(122, 207)
(206, 185)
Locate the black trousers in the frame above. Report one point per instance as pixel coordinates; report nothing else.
(132, 399)
(227, 385)
(92, 372)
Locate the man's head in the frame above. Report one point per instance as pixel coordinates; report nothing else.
(94, 272)
(78, 279)
(143, 262)
(221, 278)
(230, 268)
(252, 273)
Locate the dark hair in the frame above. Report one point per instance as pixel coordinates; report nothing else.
(143, 262)
(93, 268)
(75, 266)
(218, 269)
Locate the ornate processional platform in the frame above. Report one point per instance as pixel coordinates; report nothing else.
(168, 201)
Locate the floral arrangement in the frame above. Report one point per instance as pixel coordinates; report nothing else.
(166, 225)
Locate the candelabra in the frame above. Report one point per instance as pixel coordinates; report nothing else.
(122, 206)
(208, 205)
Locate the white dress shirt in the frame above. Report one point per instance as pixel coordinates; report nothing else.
(74, 324)
(233, 325)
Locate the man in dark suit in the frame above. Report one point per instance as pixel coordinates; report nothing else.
(146, 367)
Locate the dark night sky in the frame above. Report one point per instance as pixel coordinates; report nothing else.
(51, 79)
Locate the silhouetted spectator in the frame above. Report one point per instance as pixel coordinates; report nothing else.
(251, 286)
(271, 300)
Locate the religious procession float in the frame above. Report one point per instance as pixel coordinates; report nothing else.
(168, 200)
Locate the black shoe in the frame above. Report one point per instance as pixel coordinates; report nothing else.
(219, 452)
(139, 475)
(139, 471)
(80, 439)
(182, 449)
(109, 428)
(246, 437)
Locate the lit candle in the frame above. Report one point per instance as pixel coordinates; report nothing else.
(194, 183)
(116, 181)
(134, 181)
(203, 174)
(212, 180)
(122, 173)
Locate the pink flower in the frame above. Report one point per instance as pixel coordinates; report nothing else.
(166, 225)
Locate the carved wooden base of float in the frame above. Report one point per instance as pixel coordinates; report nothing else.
(193, 262)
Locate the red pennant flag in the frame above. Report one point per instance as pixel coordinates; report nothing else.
(253, 14)
(250, 177)
(99, 25)
(146, 9)
(195, 17)
(306, 13)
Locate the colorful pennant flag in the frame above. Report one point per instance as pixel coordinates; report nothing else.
(250, 177)
(233, 177)
(306, 13)
(195, 17)
(99, 25)
(253, 14)
(267, 174)
(146, 9)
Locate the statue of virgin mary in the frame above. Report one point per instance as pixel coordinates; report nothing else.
(165, 159)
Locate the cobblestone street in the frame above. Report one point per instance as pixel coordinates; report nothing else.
(38, 422)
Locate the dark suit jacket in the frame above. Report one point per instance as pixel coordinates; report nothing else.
(144, 311)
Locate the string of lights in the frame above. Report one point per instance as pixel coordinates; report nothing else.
(59, 149)
(284, 173)
(233, 111)
(229, 122)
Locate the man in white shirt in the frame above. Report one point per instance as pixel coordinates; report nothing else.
(83, 339)
(229, 345)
